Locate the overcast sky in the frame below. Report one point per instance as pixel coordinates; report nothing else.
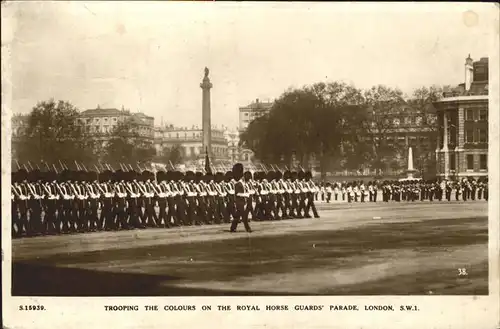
(150, 57)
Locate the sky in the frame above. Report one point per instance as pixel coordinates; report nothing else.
(150, 57)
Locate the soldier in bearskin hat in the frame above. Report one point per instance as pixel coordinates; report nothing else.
(149, 216)
(302, 196)
(179, 187)
(35, 203)
(191, 196)
(240, 198)
(311, 188)
(51, 222)
(17, 199)
(161, 198)
(271, 208)
(220, 198)
(201, 199)
(229, 185)
(280, 194)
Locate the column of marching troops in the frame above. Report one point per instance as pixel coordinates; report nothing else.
(47, 202)
(430, 190)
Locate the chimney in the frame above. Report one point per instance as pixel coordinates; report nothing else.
(257, 101)
(468, 73)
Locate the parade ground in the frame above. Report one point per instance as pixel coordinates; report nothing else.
(395, 248)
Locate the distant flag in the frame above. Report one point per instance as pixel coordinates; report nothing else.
(207, 162)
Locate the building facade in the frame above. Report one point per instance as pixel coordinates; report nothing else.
(252, 111)
(101, 123)
(191, 142)
(399, 129)
(463, 125)
(247, 114)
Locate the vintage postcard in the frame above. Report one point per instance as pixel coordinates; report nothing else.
(250, 165)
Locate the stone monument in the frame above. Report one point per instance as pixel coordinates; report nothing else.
(206, 85)
(410, 172)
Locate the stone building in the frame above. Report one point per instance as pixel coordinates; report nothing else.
(191, 142)
(463, 125)
(247, 114)
(100, 123)
(252, 111)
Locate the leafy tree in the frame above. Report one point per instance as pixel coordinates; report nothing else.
(52, 134)
(173, 155)
(382, 104)
(127, 146)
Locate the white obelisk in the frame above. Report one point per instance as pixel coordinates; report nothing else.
(410, 170)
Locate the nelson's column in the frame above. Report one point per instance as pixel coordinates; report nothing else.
(206, 124)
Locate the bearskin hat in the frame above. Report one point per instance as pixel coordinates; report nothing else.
(247, 175)
(228, 176)
(237, 171)
(270, 175)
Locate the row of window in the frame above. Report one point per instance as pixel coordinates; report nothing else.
(483, 161)
(481, 136)
(476, 115)
(97, 120)
(409, 120)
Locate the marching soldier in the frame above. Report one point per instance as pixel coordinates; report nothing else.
(311, 189)
(52, 224)
(93, 201)
(241, 195)
(280, 191)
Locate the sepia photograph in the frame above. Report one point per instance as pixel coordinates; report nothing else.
(249, 150)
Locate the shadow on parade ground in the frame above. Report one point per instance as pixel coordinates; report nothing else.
(162, 267)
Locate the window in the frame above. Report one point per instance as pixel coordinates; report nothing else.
(483, 135)
(470, 162)
(418, 120)
(469, 136)
(483, 161)
(396, 122)
(469, 115)
(452, 161)
(192, 150)
(407, 120)
(483, 115)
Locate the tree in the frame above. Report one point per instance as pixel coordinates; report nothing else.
(53, 134)
(306, 122)
(382, 104)
(171, 155)
(422, 101)
(127, 146)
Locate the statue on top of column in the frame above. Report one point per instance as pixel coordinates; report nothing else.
(206, 72)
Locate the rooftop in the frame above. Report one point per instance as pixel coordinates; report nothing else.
(101, 112)
(258, 105)
(476, 89)
(113, 112)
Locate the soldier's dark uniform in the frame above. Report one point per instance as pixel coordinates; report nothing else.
(280, 195)
(310, 196)
(240, 199)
